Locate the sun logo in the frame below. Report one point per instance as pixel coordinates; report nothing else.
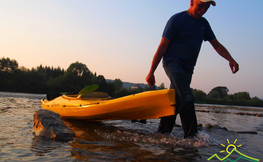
(229, 146)
(230, 149)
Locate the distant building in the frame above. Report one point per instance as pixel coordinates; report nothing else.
(137, 86)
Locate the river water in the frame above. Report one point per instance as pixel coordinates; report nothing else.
(233, 127)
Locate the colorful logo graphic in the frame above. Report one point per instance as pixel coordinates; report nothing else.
(234, 149)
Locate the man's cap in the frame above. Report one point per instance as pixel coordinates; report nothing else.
(212, 2)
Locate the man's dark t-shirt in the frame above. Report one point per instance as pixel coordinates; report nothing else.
(186, 35)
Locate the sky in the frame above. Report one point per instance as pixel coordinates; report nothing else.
(118, 38)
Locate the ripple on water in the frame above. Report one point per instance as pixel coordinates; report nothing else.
(119, 140)
(202, 139)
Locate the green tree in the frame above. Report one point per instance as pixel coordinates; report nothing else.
(117, 84)
(8, 71)
(161, 86)
(242, 96)
(78, 69)
(121, 92)
(199, 94)
(8, 65)
(58, 84)
(230, 97)
(255, 101)
(146, 88)
(35, 81)
(103, 85)
(77, 76)
(221, 90)
(111, 88)
(213, 94)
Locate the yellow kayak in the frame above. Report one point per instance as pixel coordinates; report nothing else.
(145, 105)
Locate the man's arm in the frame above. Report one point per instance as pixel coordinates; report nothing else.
(156, 60)
(222, 51)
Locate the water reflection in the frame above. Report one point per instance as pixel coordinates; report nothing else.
(105, 141)
(41, 145)
(119, 140)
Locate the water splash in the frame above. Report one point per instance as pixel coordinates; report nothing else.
(201, 140)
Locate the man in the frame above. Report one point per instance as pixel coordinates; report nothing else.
(179, 48)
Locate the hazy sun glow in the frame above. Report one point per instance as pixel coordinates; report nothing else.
(117, 39)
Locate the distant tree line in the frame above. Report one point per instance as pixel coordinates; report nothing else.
(219, 95)
(45, 79)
